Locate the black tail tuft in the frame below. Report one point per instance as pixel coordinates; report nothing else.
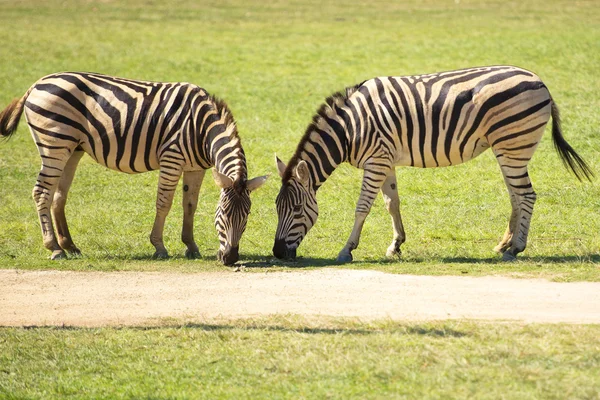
(569, 157)
(10, 116)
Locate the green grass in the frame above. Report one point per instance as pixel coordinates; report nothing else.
(274, 64)
(290, 357)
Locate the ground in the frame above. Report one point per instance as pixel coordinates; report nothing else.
(37, 298)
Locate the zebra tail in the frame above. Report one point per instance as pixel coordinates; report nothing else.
(10, 116)
(569, 157)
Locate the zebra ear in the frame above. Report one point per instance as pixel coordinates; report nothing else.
(302, 172)
(222, 181)
(280, 166)
(257, 182)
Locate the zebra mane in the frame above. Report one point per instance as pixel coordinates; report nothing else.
(223, 110)
(329, 108)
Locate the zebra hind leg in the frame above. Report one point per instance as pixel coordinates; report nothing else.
(522, 199)
(192, 181)
(506, 241)
(53, 163)
(58, 204)
(389, 190)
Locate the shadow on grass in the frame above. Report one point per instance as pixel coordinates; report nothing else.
(263, 261)
(150, 257)
(246, 260)
(402, 329)
(585, 258)
(258, 261)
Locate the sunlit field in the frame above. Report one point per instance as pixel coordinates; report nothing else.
(274, 63)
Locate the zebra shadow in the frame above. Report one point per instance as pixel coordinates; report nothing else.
(557, 259)
(260, 261)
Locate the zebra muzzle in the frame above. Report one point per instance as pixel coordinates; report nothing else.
(281, 251)
(229, 255)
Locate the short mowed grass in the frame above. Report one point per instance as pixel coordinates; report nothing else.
(274, 63)
(292, 357)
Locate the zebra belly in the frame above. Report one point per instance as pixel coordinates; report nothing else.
(403, 159)
(139, 165)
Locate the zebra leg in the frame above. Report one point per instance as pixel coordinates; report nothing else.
(371, 184)
(506, 241)
(525, 199)
(192, 180)
(59, 202)
(167, 183)
(522, 199)
(43, 193)
(389, 190)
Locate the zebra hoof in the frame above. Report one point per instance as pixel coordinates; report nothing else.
(393, 253)
(501, 248)
(58, 255)
(344, 257)
(508, 256)
(160, 255)
(75, 252)
(192, 254)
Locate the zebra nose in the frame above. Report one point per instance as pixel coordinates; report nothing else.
(229, 255)
(280, 250)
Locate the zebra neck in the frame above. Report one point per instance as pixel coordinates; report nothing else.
(231, 162)
(227, 155)
(324, 150)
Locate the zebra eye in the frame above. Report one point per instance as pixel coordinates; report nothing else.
(297, 207)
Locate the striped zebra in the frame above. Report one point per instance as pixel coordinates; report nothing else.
(424, 121)
(135, 126)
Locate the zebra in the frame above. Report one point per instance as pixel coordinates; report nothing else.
(424, 121)
(135, 126)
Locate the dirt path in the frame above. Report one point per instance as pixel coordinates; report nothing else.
(125, 298)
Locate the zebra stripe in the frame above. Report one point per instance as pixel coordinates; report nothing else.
(424, 121)
(135, 126)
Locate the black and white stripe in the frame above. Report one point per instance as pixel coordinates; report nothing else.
(134, 126)
(425, 121)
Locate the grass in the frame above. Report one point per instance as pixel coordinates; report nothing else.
(292, 357)
(274, 64)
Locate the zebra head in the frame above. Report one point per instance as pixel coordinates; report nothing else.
(297, 210)
(232, 213)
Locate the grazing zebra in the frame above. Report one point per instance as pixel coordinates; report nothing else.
(424, 121)
(135, 126)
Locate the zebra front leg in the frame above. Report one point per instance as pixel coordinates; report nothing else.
(167, 183)
(389, 190)
(371, 184)
(192, 181)
(60, 200)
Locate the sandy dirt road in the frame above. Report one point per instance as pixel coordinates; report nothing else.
(36, 298)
